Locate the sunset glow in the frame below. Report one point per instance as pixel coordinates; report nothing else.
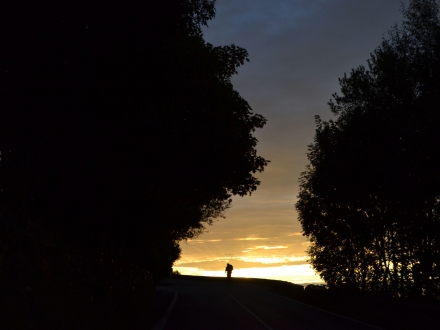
(259, 240)
(288, 80)
(295, 274)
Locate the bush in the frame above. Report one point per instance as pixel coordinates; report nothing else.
(47, 286)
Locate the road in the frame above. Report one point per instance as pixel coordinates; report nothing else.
(219, 305)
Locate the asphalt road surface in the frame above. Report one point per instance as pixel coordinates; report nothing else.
(219, 305)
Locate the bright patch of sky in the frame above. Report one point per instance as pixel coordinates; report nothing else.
(299, 274)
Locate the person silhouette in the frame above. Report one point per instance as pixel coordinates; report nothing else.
(228, 270)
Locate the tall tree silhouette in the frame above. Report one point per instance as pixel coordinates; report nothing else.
(120, 127)
(369, 199)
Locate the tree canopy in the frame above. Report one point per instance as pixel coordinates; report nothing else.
(369, 199)
(120, 127)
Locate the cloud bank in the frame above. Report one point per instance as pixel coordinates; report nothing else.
(298, 49)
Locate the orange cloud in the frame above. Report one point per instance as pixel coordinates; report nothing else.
(251, 239)
(268, 247)
(295, 234)
(201, 241)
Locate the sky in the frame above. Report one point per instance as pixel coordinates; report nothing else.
(297, 49)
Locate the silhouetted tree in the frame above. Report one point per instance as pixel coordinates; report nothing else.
(369, 199)
(119, 125)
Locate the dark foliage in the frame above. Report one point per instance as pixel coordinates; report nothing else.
(369, 200)
(120, 130)
(46, 285)
(121, 119)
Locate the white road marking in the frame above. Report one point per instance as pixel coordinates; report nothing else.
(160, 325)
(265, 325)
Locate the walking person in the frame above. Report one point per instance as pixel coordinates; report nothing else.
(228, 271)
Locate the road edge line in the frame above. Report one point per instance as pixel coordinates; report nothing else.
(160, 325)
(260, 320)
